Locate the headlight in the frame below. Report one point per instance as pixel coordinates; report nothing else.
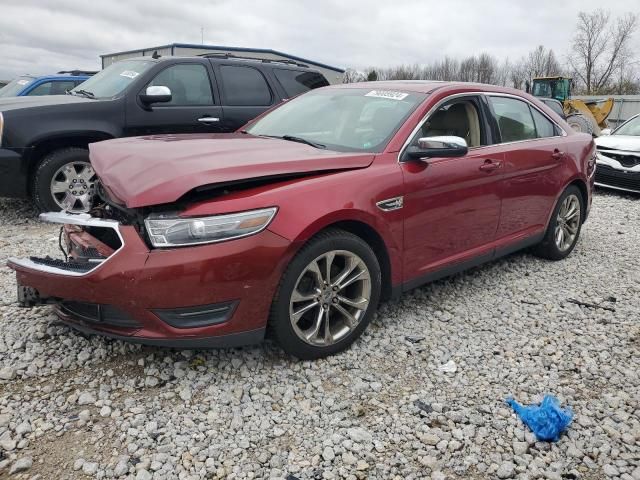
(178, 232)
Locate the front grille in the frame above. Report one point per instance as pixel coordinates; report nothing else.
(626, 160)
(106, 315)
(616, 178)
(64, 265)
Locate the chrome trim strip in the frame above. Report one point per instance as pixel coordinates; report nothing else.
(82, 219)
(616, 188)
(475, 94)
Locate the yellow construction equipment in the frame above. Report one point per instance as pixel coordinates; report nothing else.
(582, 116)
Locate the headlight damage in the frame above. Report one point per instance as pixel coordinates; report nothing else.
(179, 232)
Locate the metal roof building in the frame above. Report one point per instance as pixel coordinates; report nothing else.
(332, 74)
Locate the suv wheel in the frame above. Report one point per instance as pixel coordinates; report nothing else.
(564, 227)
(327, 296)
(65, 180)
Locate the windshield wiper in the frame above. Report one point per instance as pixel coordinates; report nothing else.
(84, 93)
(292, 138)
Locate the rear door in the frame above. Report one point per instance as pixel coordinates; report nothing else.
(245, 94)
(533, 147)
(194, 106)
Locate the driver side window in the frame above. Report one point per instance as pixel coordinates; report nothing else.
(459, 118)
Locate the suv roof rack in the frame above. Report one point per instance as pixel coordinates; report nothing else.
(78, 72)
(263, 60)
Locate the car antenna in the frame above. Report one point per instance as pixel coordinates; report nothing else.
(155, 55)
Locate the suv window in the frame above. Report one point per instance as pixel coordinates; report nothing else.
(514, 119)
(458, 118)
(295, 82)
(544, 126)
(52, 88)
(244, 86)
(189, 84)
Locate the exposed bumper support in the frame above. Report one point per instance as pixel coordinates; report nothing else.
(58, 267)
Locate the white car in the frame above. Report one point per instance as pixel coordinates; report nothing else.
(618, 161)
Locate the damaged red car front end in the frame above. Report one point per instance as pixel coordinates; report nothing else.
(111, 282)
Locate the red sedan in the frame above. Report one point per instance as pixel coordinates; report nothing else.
(300, 223)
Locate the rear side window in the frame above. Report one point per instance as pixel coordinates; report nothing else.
(514, 119)
(544, 126)
(189, 84)
(297, 82)
(244, 86)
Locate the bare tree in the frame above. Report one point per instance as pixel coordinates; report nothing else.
(352, 75)
(542, 63)
(601, 48)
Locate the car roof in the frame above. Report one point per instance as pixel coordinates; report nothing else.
(429, 86)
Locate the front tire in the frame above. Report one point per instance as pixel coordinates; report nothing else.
(564, 227)
(327, 296)
(64, 180)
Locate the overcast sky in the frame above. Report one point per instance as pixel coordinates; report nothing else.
(43, 36)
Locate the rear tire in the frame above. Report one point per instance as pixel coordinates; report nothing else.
(335, 308)
(581, 123)
(64, 180)
(564, 227)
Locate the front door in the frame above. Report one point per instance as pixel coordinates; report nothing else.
(452, 205)
(193, 107)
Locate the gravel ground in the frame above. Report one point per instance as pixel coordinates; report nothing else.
(76, 407)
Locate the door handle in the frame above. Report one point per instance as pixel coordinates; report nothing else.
(557, 154)
(490, 166)
(208, 120)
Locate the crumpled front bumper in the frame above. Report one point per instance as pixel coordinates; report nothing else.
(156, 296)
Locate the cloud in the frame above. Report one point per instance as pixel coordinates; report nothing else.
(43, 36)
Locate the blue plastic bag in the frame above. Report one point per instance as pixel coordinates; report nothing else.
(547, 420)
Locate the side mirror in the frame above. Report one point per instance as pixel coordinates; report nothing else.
(605, 131)
(445, 146)
(155, 94)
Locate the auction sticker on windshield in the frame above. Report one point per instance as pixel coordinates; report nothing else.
(129, 74)
(387, 94)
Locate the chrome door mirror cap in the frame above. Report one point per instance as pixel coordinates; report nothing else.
(156, 94)
(440, 146)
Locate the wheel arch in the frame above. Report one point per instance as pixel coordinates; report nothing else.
(582, 186)
(384, 248)
(42, 147)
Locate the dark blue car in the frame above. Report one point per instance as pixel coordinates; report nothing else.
(57, 84)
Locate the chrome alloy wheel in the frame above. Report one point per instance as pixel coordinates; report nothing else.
(73, 186)
(567, 223)
(330, 298)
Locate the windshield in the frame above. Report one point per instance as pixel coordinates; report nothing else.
(114, 79)
(632, 127)
(14, 87)
(342, 119)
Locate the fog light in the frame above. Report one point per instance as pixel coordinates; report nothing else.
(199, 316)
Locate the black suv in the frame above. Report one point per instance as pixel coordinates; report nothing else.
(43, 140)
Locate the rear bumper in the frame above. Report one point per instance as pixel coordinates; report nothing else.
(13, 173)
(157, 296)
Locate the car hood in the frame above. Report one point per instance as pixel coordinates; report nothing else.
(14, 103)
(628, 143)
(155, 170)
